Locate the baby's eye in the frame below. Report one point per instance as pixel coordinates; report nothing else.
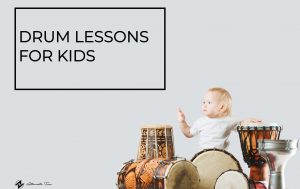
(209, 102)
(203, 102)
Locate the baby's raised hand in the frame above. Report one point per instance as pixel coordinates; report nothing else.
(180, 115)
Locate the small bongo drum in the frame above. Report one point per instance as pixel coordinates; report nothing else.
(156, 142)
(232, 179)
(159, 174)
(211, 163)
(248, 138)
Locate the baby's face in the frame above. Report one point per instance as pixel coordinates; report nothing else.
(211, 106)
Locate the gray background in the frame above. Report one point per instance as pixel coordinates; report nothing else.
(79, 139)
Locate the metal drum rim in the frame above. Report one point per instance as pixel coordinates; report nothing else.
(282, 145)
(277, 141)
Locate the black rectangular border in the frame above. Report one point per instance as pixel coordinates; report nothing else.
(15, 65)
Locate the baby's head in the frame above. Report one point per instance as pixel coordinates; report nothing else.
(216, 103)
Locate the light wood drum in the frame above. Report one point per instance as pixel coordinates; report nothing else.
(211, 163)
(232, 179)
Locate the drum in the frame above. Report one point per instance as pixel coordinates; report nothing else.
(235, 179)
(159, 174)
(211, 163)
(156, 142)
(127, 177)
(232, 179)
(248, 139)
(277, 153)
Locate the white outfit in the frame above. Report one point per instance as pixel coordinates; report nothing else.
(213, 132)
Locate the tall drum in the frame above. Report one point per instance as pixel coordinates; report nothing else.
(248, 138)
(156, 142)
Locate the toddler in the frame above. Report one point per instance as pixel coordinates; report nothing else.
(215, 127)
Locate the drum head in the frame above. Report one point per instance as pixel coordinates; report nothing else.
(156, 126)
(211, 163)
(182, 175)
(232, 179)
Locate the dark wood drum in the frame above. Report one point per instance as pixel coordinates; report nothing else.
(127, 177)
(248, 137)
(156, 142)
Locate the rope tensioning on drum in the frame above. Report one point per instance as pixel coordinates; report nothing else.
(246, 136)
(177, 157)
(251, 154)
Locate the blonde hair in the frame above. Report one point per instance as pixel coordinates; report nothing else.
(224, 97)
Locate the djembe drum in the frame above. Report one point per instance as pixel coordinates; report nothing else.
(158, 174)
(156, 142)
(248, 138)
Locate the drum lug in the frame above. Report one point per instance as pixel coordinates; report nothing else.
(163, 162)
(127, 162)
(177, 157)
(120, 185)
(160, 177)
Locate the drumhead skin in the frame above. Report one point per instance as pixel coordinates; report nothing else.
(182, 175)
(156, 126)
(232, 179)
(211, 163)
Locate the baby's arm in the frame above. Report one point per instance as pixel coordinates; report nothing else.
(185, 128)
